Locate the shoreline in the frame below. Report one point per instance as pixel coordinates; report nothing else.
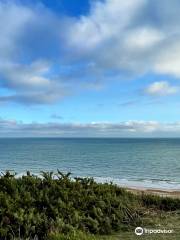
(162, 188)
(151, 191)
(133, 186)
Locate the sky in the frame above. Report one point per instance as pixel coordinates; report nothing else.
(89, 68)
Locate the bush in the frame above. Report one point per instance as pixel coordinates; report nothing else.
(33, 206)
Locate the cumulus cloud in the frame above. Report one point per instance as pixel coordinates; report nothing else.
(137, 36)
(26, 40)
(105, 21)
(162, 88)
(12, 128)
(21, 76)
(168, 60)
(13, 20)
(30, 83)
(116, 36)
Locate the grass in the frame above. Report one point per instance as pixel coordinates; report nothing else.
(79, 209)
(155, 220)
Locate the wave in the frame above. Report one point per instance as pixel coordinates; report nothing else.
(139, 183)
(158, 184)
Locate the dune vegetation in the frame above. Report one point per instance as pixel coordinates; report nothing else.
(63, 208)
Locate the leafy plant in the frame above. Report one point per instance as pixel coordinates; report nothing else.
(34, 207)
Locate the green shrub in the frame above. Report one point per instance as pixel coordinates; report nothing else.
(33, 206)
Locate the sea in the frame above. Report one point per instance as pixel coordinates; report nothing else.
(136, 163)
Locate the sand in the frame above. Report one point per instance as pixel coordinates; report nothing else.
(162, 193)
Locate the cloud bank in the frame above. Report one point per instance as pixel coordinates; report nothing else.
(12, 128)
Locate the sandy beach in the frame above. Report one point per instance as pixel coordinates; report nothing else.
(159, 192)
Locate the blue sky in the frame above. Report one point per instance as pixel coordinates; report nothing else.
(107, 68)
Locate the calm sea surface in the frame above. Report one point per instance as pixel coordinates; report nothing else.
(127, 162)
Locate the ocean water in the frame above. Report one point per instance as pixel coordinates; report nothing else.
(149, 163)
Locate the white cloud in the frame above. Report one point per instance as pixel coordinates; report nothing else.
(105, 21)
(161, 88)
(13, 20)
(10, 128)
(143, 38)
(168, 59)
(126, 36)
(25, 75)
(26, 34)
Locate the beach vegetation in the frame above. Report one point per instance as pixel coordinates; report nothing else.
(56, 206)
